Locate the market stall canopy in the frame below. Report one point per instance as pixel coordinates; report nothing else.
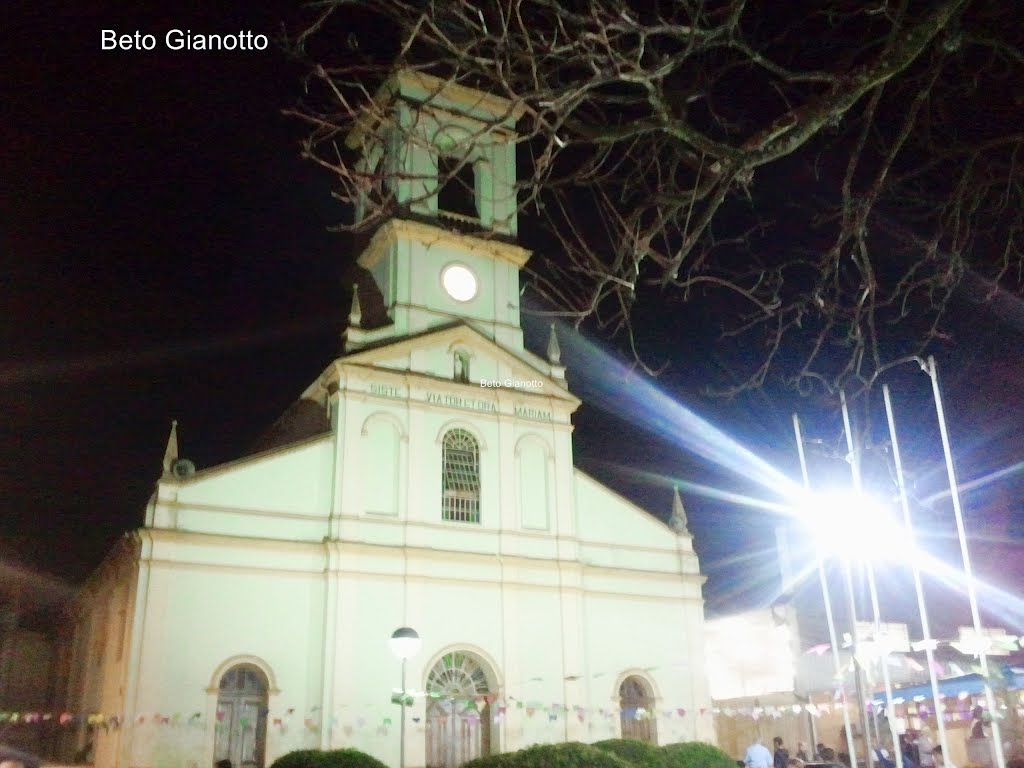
(972, 684)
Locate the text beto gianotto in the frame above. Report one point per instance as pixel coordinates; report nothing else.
(182, 40)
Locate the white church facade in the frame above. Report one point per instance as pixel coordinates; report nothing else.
(424, 480)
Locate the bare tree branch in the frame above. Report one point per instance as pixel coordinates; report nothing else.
(657, 141)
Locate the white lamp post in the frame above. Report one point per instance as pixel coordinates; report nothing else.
(875, 608)
(928, 644)
(972, 597)
(834, 642)
(405, 643)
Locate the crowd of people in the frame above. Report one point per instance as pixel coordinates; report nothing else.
(917, 749)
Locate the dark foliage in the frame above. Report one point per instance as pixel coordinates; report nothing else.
(336, 758)
(638, 753)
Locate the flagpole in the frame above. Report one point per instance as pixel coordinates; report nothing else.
(837, 662)
(858, 677)
(873, 591)
(972, 596)
(926, 632)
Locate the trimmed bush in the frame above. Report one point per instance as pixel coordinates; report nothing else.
(695, 754)
(335, 758)
(300, 758)
(634, 751)
(349, 758)
(571, 755)
(502, 760)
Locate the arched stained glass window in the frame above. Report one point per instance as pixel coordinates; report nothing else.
(460, 481)
(458, 711)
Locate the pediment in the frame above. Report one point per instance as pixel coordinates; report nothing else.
(491, 366)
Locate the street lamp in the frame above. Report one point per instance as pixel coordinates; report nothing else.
(405, 643)
(852, 526)
(809, 514)
(928, 644)
(972, 597)
(887, 541)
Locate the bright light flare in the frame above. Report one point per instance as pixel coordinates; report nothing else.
(854, 526)
(607, 383)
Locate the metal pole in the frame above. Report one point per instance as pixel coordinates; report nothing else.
(837, 662)
(972, 597)
(875, 609)
(886, 678)
(926, 632)
(852, 601)
(857, 671)
(401, 745)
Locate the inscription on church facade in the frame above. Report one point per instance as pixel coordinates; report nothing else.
(451, 400)
(533, 414)
(387, 390)
(465, 403)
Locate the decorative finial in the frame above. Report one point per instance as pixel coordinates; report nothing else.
(554, 351)
(355, 315)
(171, 452)
(677, 521)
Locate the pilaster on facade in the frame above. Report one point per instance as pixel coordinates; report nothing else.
(332, 596)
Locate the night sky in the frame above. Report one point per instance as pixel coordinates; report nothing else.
(165, 255)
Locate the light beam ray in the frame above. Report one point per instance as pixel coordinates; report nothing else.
(615, 388)
(979, 482)
(22, 373)
(697, 489)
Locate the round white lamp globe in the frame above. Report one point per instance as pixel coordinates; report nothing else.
(405, 642)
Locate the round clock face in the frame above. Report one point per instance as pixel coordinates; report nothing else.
(459, 282)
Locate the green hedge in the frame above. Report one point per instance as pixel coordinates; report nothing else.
(695, 754)
(503, 760)
(570, 755)
(335, 758)
(301, 758)
(636, 752)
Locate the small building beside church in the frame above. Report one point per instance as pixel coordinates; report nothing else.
(424, 480)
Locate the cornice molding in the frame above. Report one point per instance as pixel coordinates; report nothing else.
(431, 235)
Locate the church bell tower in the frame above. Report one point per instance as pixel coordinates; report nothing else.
(446, 158)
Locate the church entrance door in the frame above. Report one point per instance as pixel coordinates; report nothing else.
(242, 717)
(459, 711)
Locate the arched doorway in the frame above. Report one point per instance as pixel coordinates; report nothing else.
(637, 710)
(241, 730)
(458, 710)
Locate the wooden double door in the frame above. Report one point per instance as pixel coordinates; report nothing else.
(242, 718)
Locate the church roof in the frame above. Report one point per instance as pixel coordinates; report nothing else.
(303, 419)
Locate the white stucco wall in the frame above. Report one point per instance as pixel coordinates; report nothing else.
(209, 602)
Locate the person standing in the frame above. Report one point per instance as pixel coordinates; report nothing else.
(758, 755)
(780, 758)
(978, 723)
